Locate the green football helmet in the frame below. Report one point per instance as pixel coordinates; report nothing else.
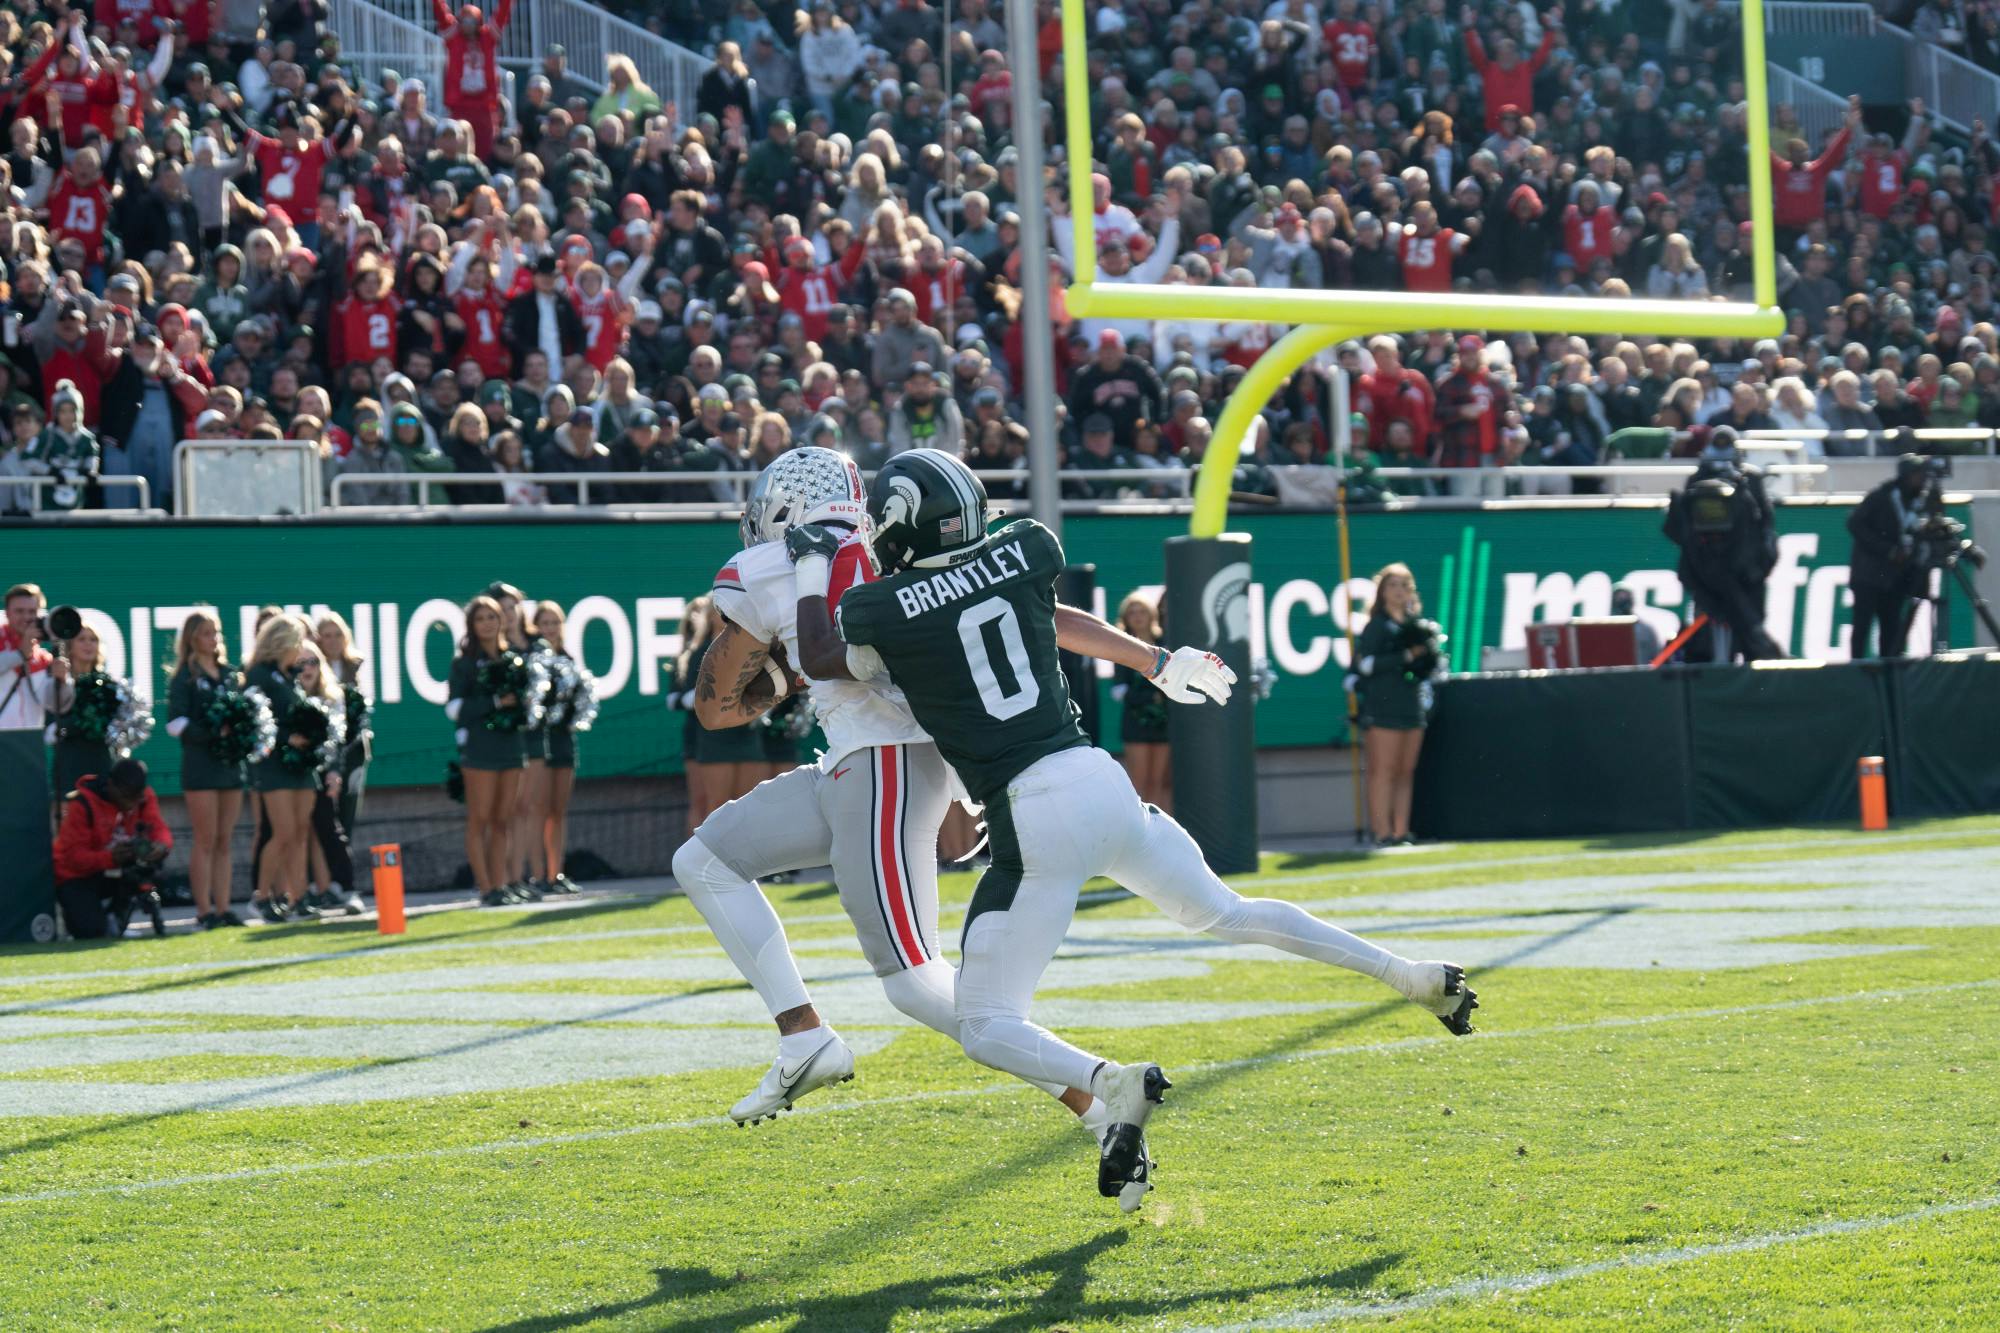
(927, 508)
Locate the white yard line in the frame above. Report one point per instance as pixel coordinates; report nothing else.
(1472, 1289)
(1858, 843)
(824, 1108)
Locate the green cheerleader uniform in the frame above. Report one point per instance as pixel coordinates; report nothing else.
(534, 741)
(1145, 716)
(1388, 698)
(730, 745)
(189, 695)
(76, 757)
(478, 747)
(271, 774)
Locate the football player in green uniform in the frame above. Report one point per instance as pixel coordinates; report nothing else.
(965, 624)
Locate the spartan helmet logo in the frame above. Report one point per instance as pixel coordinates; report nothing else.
(901, 504)
(1225, 604)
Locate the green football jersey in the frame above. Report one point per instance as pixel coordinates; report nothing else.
(973, 648)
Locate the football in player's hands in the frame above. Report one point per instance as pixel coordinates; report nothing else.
(1189, 676)
(782, 660)
(810, 539)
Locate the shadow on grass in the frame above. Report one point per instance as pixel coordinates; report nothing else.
(1062, 1295)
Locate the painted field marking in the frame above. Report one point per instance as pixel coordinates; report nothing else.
(949, 1094)
(1472, 1289)
(1859, 843)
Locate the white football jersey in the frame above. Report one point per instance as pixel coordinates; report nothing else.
(756, 591)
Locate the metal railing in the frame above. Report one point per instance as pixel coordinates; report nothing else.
(1839, 443)
(1956, 90)
(115, 481)
(588, 35)
(373, 38)
(1821, 113)
(1171, 483)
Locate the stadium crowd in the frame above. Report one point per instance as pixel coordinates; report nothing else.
(216, 230)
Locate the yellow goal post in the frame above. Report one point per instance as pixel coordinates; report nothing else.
(1323, 318)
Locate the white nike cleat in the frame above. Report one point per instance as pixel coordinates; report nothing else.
(1440, 988)
(785, 1082)
(1130, 1092)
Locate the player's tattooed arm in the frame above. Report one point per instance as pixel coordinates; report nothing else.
(738, 682)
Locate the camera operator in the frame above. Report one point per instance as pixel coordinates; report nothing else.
(1728, 534)
(33, 683)
(1899, 537)
(111, 841)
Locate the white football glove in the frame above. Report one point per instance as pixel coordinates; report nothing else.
(1189, 676)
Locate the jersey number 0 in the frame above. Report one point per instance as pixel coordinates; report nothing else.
(972, 635)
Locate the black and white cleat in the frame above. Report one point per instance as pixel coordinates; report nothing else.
(1459, 1021)
(1122, 1164)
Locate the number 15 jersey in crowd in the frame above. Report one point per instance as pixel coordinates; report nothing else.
(973, 648)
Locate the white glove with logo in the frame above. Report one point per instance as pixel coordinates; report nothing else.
(1188, 675)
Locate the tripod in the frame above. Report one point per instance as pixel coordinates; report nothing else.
(1941, 604)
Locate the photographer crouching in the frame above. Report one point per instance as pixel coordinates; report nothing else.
(1901, 533)
(111, 842)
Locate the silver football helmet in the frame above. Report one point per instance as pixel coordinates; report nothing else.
(809, 485)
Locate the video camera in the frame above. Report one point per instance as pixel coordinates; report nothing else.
(1940, 539)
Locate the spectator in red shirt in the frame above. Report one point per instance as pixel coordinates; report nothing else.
(1507, 79)
(1351, 43)
(1469, 405)
(471, 67)
(1799, 184)
(1426, 250)
(79, 207)
(1588, 225)
(1393, 392)
(364, 323)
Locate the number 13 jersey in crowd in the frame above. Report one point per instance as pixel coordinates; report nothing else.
(973, 647)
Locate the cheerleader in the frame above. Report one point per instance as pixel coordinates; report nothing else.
(1142, 730)
(98, 719)
(491, 753)
(524, 835)
(329, 865)
(212, 787)
(287, 789)
(721, 765)
(336, 645)
(572, 707)
(1392, 700)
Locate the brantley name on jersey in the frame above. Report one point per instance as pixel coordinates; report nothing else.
(997, 566)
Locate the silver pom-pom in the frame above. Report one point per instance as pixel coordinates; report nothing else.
(336, 734)
(582, 700)
(133, 722)
(535, 699)
(265, 735)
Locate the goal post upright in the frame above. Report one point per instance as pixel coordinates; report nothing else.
(1208, 773)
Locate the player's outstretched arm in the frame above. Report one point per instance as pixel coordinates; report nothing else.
(738, 682)
(1185, 675)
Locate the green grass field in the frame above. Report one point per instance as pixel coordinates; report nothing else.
(1742, 1081)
